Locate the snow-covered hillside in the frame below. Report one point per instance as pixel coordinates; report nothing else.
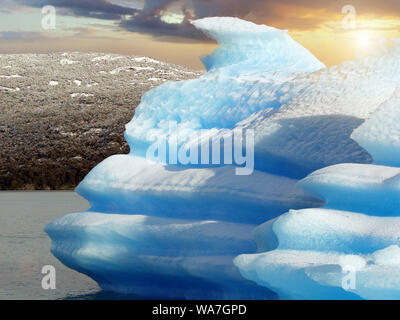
(62, 113)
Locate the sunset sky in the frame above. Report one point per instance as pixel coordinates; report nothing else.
(161, 28)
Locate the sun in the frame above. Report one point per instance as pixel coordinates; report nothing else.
(364, 41)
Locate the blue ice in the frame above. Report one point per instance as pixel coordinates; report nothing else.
(163, 229)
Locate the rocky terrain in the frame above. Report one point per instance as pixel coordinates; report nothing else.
(61, 114)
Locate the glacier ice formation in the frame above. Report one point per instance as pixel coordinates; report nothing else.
(349, 248)
(172, 230)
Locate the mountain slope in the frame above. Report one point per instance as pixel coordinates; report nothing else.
(61, 114)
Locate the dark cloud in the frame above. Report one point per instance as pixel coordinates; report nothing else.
(150, 21)
(101, 9)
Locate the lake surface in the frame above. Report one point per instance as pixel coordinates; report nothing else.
(25, 247)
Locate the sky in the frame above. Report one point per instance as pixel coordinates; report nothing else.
(334, 31)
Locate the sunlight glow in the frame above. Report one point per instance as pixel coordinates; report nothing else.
(364, 41)
(173, 18)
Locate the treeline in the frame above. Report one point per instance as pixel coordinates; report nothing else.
(42, 177)
(58, 170)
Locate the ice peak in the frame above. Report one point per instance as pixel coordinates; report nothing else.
(224, 29)
(250, 47)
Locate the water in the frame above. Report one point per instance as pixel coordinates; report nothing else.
(25, 247)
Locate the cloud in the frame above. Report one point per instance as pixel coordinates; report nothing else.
(100, 9)
(7, 6)
(20, 36)
(153, 20)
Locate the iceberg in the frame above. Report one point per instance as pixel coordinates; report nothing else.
(381, 135)
(349, 248)
(167, 221)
